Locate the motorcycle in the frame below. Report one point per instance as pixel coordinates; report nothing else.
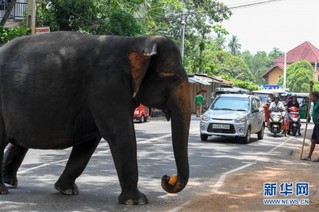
(294, 120)
(276, 122)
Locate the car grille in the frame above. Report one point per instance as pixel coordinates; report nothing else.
(230, 130)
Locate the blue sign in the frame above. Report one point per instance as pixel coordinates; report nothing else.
(271, 87)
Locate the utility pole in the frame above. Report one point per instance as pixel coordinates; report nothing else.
(285, 71)
(183, 34)
(31, 15)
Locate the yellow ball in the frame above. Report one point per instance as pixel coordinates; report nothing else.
(173, 179)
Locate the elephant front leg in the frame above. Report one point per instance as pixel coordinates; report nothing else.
(12, 160)
(76, 164)
(123, 148)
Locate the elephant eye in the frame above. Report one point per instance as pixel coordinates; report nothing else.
(167, 74)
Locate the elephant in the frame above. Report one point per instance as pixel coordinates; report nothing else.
(71, 89)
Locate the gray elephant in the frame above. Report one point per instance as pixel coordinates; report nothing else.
(60, 90)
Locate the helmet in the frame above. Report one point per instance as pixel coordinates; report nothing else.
(276, 96)
(289, 94)
(295, 95)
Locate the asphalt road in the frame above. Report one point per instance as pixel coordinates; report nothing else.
(99, 188)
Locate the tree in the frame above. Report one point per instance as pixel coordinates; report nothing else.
(221, 63)
(260, 62)
(92, 16)
(299, 75)
(166, 17)
(275, 53)
(233, 45)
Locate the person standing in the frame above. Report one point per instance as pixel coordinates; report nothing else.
(199, 103)
(315, 132)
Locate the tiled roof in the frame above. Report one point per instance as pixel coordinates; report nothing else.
(305, 51)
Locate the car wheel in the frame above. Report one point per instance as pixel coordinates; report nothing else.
(294, 131)
(203, 137)
(261, 133)
(246, 139)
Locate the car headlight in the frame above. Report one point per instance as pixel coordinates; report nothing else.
(241, 119)
(205, 117)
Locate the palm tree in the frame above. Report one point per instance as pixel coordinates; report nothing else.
(233, 45)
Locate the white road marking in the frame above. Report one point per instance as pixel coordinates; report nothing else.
(65, 160)
(42, 165)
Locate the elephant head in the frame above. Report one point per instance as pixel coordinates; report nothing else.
(160, 81)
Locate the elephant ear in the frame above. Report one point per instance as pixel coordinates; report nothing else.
(139, 64)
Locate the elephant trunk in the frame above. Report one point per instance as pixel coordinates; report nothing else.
(180, 111)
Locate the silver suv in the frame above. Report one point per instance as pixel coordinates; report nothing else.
(234, 115)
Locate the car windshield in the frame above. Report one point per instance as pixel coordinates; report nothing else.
(231, 103)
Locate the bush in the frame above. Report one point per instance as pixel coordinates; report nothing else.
(244, 84)
(7, 34)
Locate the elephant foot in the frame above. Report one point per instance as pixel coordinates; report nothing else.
(132, 198)
(3, 189)
(68, 190)
(13, 181)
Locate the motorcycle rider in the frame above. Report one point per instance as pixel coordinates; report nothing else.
(277, 105)
(294, 103)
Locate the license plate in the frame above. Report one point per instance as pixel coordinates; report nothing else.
(221, 126)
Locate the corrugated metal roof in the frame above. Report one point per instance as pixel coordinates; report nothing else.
(197, 80)
(206, 79)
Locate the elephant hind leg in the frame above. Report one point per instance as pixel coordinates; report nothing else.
(79, 158)
(12, 160)
(3, 144)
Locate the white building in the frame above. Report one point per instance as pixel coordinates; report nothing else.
(18, 12)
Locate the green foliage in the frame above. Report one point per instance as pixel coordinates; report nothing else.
(298, 76)
(260, 62)
(221, 63)
(92, 16)
(244, 84)
(7, 34)
(121, 23)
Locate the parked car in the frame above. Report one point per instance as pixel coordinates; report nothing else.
(234, 115)
(141, 113)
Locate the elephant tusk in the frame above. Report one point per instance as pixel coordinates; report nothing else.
(134, 95)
